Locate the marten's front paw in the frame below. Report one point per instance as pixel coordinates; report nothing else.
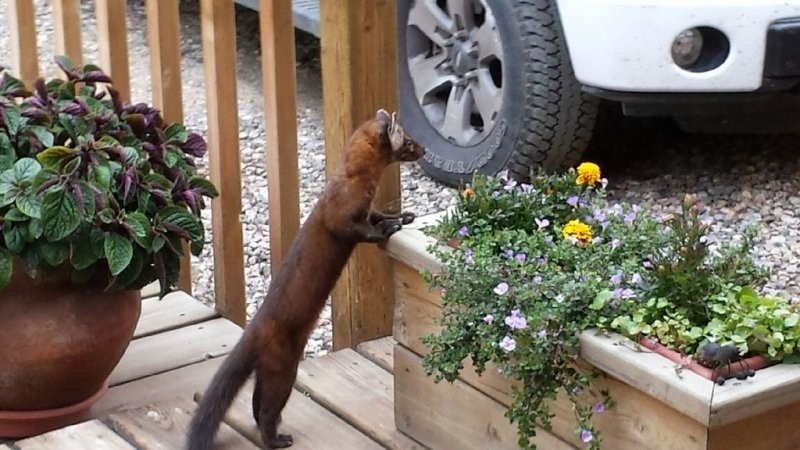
(407, 217)
(389, 227)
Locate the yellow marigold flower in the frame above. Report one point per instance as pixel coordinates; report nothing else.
(588, 173)
(578, 230)
(468, 193)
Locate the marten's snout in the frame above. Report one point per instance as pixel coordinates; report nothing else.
(410, 151)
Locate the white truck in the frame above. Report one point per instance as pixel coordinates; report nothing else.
(492, 84)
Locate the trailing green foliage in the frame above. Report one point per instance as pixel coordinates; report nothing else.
(93, 182)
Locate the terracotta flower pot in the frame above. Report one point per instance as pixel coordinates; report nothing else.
(58, 344)
(754, 362)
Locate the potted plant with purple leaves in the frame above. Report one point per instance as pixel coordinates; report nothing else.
(97, 197)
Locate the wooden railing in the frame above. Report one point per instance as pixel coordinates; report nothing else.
(358, 68)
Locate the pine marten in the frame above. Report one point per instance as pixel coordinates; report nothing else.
(273, 343)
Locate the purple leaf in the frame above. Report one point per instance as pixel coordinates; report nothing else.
(177, 230)
(41, 91)
(76, 191)
(96, 76)
(195, 145)
(127, 180)
(116, 99)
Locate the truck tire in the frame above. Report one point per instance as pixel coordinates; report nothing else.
(487, 84)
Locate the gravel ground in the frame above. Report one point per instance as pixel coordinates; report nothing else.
(740, 179)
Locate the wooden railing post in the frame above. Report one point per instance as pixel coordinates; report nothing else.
(358, 77)
(67, 29)
(219, 63)
(112, 39)
(163, 39)
(22, 27)
(280, 116)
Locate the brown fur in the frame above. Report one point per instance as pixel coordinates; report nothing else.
(273, 342)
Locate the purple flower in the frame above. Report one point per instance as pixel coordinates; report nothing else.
(623, 293)
(616, 279)
(541, 334)
(647, 264)
(468, 257)
(576, 390)
(614, 304)
(548, 240)
(501, 288)
(526, 188)
(503, 175)
(510, 185)
(614, 243)
(508, 344)
(496, 194)
(599, 215)
(616, 209)
(463, 231)
(629, 218)
(537, 279)
(521, 257)
(488, 318)
(573, 201)
(599, 407)
(604, 182)
(541, 223)
(707, 221)
(586, 436)
(560, 298)
(636, 279)
(515, 321)
(508, 253)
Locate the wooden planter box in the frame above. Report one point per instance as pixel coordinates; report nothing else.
(656, 407)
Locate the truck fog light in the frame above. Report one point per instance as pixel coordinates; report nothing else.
(687, 47)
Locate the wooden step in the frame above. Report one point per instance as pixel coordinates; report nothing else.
(175, 310)
(358, 391)
(312, 426)
(163, 425)
(380, 351)
(87, 435)
(174, 349)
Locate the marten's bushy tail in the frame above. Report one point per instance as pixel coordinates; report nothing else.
(218, 397)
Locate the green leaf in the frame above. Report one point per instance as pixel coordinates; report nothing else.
(25, 169)
(198, 182)
(60, 216)
(601, 299)
(183, 219)
(30, 204)
(175, 132)
(35, 229)
(171, 157)
(132, 272)
(13, 119)
(54, 253)
(53, 156)
(88, 200)
(43, 134)
(83, 254)
(791, 320)
(100, 176)
(118, 251)
(97, 237)
(107, 215)
(6, 268)
(15, 215)
(13, 237)
(7, 182)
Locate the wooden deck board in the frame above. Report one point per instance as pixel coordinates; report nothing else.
(179, 382)
(175, 310)
(151, 290)
(312, 426)
(164, 424)
(380, 351)
(87, 435)
(174, 349)
(358, 391)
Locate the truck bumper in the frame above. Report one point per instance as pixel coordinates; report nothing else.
(625, 45)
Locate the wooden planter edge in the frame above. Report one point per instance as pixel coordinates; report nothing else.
(686, 392)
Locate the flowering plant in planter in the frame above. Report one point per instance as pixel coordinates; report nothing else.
(527, 267)
(91, 183)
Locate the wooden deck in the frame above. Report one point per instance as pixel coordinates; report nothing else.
(344, 400)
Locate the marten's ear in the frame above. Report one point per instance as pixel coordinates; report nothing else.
(383, 116)
(396, 133)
